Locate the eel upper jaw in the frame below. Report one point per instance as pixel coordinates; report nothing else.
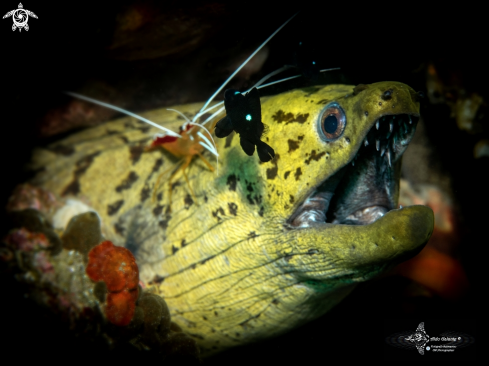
(366, 188)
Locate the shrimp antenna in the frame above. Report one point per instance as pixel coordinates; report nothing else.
(183, 115)
(126, 112)
(273, 73)
(265, 78)
(282, 69)
(259, 86)
(211, 147)
(239, 68)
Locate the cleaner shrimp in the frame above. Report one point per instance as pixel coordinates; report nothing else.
(191, 141)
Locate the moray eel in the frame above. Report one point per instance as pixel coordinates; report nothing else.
(267, 246)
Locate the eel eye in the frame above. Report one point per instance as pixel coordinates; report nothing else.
(331, 122)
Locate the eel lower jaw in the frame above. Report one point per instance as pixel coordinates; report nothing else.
(364, 216)
(372, 192)
(338, 255)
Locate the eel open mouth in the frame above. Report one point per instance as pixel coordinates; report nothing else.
(365, 190)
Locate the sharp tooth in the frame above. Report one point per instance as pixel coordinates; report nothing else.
(410, 120)
(388, 135)
(388, 154)
(377, 144)
(391, 126)
(377, 125)
(382, 151)
(365, 142)
(406, 129)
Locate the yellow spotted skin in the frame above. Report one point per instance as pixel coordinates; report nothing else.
(229, 267)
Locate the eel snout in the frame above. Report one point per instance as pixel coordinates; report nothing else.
(355, 253)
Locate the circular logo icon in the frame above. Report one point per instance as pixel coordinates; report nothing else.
(20, 17)
(428, 348)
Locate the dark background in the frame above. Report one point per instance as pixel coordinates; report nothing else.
(180, 52)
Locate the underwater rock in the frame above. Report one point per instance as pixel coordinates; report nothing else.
(27, 196)
(34, 221)
(451, 87)
(63, 282)
(481, 149)
(156, 318)
(26, 241)
(83, 232)
(70, 209)
(28, 248)
(151, 329)
(179, 346)
(32, 251)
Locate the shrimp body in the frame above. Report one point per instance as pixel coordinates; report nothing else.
(186, 146)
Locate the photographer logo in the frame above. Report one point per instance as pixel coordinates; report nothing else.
(20, 17)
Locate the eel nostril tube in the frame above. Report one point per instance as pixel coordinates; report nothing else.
(387, 95)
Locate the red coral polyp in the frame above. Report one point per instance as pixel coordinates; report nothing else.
(117, 267)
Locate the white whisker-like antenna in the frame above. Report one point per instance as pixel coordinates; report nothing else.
(203, 137)
(126, 112)
(180, 113)
(273, 73)
(239, 68)
(211, 108)
(259, 86)
(205, 145)
(208, 146)
(215, 114)
(333, 68)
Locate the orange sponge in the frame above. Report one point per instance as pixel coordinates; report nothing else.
(117, 267)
